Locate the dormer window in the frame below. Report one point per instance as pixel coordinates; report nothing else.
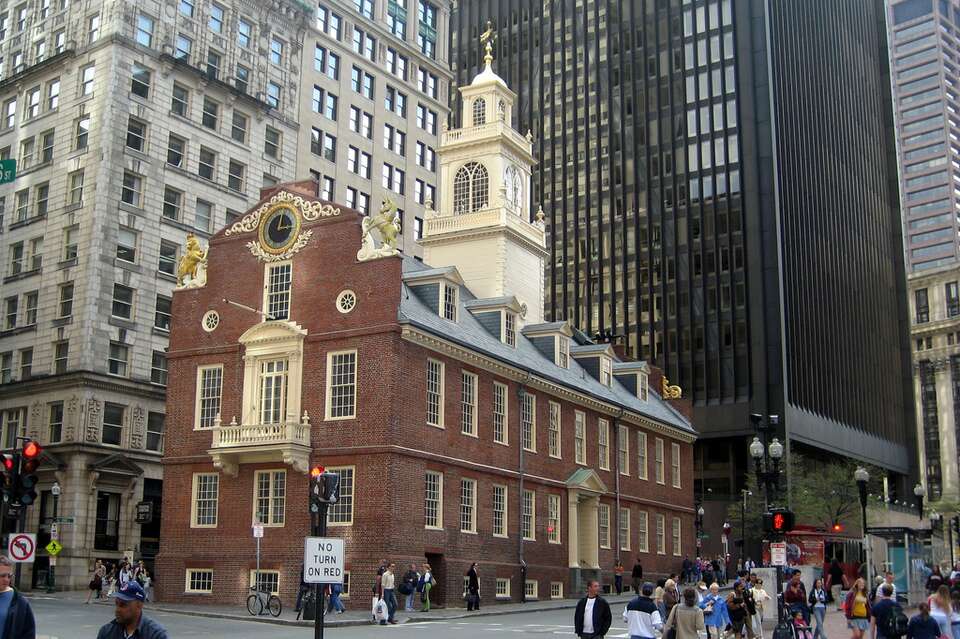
(479, 112)
(510, 328)
(642, 386)
(563, 351)
(448, 302)
(606, 371)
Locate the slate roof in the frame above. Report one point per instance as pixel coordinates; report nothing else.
(468, 332)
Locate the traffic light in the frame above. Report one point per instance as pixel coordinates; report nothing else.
(837, 527)
(324, 488)
(316, 487)
(30, 459)
(9, 479)
(778, 521)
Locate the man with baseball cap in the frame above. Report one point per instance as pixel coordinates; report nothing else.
(130, 623)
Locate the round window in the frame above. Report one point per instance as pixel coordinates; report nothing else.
(346, 301)
(210, 321)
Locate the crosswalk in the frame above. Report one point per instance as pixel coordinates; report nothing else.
(501, 628)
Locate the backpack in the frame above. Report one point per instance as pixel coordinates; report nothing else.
(895, 624)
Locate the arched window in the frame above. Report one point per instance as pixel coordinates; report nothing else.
(471, 188)
(479, 111)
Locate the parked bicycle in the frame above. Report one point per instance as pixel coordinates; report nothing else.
(261, 602)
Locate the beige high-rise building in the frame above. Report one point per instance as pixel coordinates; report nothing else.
(134, 123)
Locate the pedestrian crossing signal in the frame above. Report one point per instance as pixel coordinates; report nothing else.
(778, 521)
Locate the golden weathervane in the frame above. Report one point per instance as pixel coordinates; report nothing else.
(487, 38)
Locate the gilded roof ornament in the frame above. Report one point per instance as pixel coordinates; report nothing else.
(487, 38)
(668, 391)
(192, 268)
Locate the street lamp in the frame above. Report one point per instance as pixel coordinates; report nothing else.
(861, 476)
(55, 491)
(698, 522)
(766, 465)
(918, 492)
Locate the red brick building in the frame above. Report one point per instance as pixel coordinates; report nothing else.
(462, 430)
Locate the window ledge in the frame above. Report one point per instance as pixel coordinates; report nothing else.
(140, 155)
(183, 226)
(17, 330)
(339, 419)
(27, 222)
(122, 323)
(163, 333)
(61, 321)
(22, 275)
(130, 208)
(167, 276)
(33, 167)
(67, 263)
(127, 266)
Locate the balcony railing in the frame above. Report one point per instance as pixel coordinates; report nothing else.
(234, 444)
(261, 434)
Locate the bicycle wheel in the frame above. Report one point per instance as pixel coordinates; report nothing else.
(254, 605)
(274, 605)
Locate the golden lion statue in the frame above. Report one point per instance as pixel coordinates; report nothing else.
(387, 224)
(193, 264)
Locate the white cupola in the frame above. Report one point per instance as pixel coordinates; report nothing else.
(484, 225)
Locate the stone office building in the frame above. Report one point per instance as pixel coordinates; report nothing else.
(463, 427)
(134, 124)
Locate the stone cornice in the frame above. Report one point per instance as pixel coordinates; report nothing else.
(86, 379)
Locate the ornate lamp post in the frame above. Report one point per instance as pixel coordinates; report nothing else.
(55, 491)
(918, 493)
(861, 476)
(698, 522)
(766, 465)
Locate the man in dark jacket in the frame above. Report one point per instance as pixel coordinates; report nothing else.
(16, 616)
(637, 576)
(592, 618)
(473, 588)
(130, 620)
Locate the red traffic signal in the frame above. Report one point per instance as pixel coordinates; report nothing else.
(8, 462)
(778, 521)
(316, 471)
(31, 450)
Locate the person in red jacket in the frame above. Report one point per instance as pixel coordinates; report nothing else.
(857, 609)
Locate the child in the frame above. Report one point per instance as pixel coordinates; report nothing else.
(801, 627)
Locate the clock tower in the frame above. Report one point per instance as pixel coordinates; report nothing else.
(484, 224)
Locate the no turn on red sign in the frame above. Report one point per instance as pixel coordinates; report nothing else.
(22, 547)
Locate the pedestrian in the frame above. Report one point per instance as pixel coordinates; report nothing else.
(16, 620)
(658, 597)
(427, 584)
(884, 616)
(592, 618)
(96, 581)
(473, 588)
(739, 612)
(334, 603)
(795, 596)
(940, 608)
(934, 581)
(836, 581)
(411, 580)
(686, 620)
(686, 570)
(129, 620)
(642, 615)
(636, 576)
(671, 597)
(301, 592)
(715, 614)
(922, 625)
(618, 577)
(749, 565)
(147, 584)
(760, 598)
(388, 583)
(857, 609)
(111, 579)
(377, 590)
(818, 602)
(715, 566)
(125, 575)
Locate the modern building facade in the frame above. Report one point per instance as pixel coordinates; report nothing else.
(720, 189)
(134, 124)
(375, 79)
(463, 427)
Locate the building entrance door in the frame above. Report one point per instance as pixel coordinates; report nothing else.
(438, 594)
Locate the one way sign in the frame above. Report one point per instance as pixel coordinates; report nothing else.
(323, 560)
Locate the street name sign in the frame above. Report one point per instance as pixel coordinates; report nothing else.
(22, 548)
(8, 171)
(323, 560)
(778, 553)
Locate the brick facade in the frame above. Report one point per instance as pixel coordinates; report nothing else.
(389, 443)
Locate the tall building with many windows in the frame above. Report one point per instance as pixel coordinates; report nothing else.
(375, 81)
(134, 124)
(720, 189)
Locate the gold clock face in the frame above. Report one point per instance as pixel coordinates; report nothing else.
(279, 228)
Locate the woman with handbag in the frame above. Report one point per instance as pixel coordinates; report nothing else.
(714, 612)
(427, 580)
(96, 581)
(686, 619)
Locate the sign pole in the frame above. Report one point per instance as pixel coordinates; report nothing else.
(320, 530)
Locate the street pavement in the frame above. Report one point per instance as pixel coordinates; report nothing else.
(66, 617)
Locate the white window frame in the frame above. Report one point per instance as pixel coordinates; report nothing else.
(508, 329)
(533, 514)
(468, 489)
(505, 524)
(468, 410)
(606, 370)
(271, 515)
(658, 462)
(194, 498)
(553, 518)
(603, 514)
(603, 444)
(554, 430)
(643, 386)
(188, 575)
(532, 448)
(643, 531)
(677, 541)
(444, 288)
(661, 534)
(563, 351)
(502, 588)
(675, 464)
(556, 590)
(346, 496)
(580, 437)
(531, 589)
(198, 406)
(267, 295)
(642, 456)
(329, 416)
(253, 577)
(624, 530)
(623, 449)
(438, 523)
(501, 400)
(441, 373)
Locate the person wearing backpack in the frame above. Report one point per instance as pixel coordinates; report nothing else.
(887, 620)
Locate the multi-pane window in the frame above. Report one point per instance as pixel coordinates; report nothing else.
(468, 404)
(528, 422)
(206, 489)
(675, 464)
(433, 500)
(468, 503)
(642, 455)
(553, 432)
(395, 140)
(434, 393)
(112, 431)
(553, 519)
(162, 317)
(211, 113)
(427, 28)
(183, 47)
(395, 102)
(26, 363)
(953, 299)
(180, 101)
(510, 328)
(140, 81)
(528, 521)
(216, 18)
(65, 306)
(155, 424)
(580, 438)
(167, 262)
(499, 413)
(172, 203)
(11, 308)
(603, 443)
(427, 82)
(273, 391)
(677, 539)
(272, 143)
(145, 25)
(396, 63)
(158, 368)
(397, 18)
(136, 134)
(55, 423)
(207, 165)
(624, 521)
(203, 215)
(236, 174)
(341, 385)
(426, 119)
(341, 513)
(393, 178)
(603, 522)
(276, 51)
(53, 94)
(132, 189)
(199, 581)
(502, 588)
(244, 33)
(127, 245)
(661, 542)
(658, 461)
(623, 449)
(122, 301)
(270, 497)
(238, 128)
(643, 540)
(279, 278)
(448, 307)
(499, 510)
(606, 371)
(209, 388)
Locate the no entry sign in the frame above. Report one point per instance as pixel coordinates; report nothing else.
(323, 560)
(22, 547)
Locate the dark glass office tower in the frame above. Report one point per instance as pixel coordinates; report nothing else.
(720, 184)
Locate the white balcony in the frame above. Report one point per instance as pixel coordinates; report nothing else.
(235, 444)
